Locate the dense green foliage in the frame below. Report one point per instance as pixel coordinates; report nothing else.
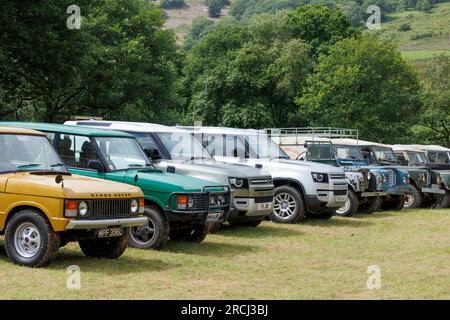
(120, 63)
(364, 82)
(169, 4)
(307, 66)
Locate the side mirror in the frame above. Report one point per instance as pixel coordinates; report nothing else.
(152, 153)
(305, 145)
(96, 165)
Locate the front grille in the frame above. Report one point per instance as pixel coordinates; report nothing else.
(391, 178)
(340, 192)
(107, 208)
(337, 176)
(260, 181)
(201, 202)
(263, 199)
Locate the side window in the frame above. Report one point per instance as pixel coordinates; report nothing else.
(441, 157)
(400, 156)
(146, 141)
(76, 151)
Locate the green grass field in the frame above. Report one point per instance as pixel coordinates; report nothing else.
(317, 259)
(429, 34)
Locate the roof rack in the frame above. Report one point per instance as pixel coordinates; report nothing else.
(295, 136)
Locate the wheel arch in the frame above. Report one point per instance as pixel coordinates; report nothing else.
(291, 182)
(18, 207)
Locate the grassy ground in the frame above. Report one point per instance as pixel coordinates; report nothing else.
(429, 34)
(318, 259)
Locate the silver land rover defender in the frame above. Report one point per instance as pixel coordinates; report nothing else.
(178, 151)
(301, 188)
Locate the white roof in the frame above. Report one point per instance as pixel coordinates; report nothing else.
(418, 147)
(221, 130)
(125, 126)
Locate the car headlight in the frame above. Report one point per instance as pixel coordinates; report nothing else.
(384, 178)
(83, 208)
(71, 208)
(185, 202)
(134, 206)
(237, 182)
(424, 177)
(217, 200)
(439, 180)
(319, 177)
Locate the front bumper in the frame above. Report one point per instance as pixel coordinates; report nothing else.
(433, 189)
(374, 194)
(325, 201)
(103, 224)
(252, 207)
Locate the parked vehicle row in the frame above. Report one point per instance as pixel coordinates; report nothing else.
(112, 184)
(420, 183)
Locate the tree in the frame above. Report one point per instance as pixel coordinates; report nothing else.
(320, 26)
(120, 57)
(199, 28)
(215, 7)
(434, 126)
(363, 83)
(423, 5)
(169, 4)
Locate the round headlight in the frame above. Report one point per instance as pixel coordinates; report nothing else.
(134, 206)
(318, 177)
(384, 178)
(83, 208)
(236, 182)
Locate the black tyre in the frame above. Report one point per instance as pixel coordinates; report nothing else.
(196, 234)
(442, 200)
(215, 227)
(393, 203)
(370, 205)
(289, 206)
(152, 235)
(413, 198)
(351, 205)
(111, 248)
(30, 240)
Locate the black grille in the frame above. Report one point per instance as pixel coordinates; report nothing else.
(260, 181)
(340, 192)
(110, 208)
(336, 176)
(201, 202)
(264, 199)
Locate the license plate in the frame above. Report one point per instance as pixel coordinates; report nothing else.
(110, 233)
(214, 216)
(341, 198)
(264, 206)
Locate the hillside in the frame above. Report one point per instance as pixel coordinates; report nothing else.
(429, 33)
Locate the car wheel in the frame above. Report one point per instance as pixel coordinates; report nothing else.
(443, 200)
(111, 248)
(413, 198)
(289, 206)
(351, 205)
(394, 203)
(370, 205)
(153, 235)
(196, 234)
(30, 240)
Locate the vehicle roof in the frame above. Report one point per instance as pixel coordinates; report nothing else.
(68, 129)
(418, 147)
(18, 130)
(125, 126)
(221, 130)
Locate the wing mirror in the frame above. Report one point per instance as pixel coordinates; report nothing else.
(96, 165)
(152, 153)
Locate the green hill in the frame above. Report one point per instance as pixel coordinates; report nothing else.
(429, 33)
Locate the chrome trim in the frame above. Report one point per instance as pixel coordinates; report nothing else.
(101, 224)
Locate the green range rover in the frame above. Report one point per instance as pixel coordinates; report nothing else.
(178, 207)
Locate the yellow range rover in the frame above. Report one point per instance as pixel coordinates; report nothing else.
(43, 206)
